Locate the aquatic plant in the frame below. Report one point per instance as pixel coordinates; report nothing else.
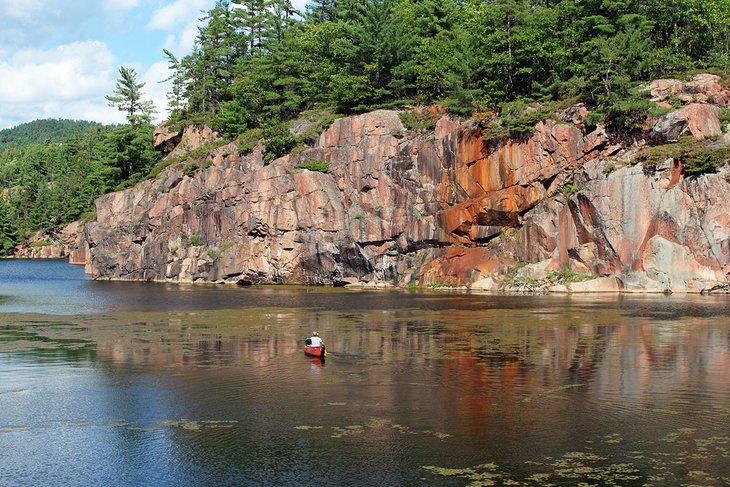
(692, 464)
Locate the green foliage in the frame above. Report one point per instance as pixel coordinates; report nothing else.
(569, 188)
(127, 98)
(419, 120)
(631, 114)
(161, 166)
(625, 110)
(46, 184)
(314, 165)
(129, 147)
(567, 275)
(40, 243)
(197, 160)
(349, 92)
(517, 118)
(41, 131)
(443, 285)
(278, 140)
(247, 140)
(521, 119)
(594, 118)
(706, 160)
(697, 156)
(320, 122)
(675, 102)
(192, 240)
(89, 215)
(260, 62)
(214, 254)
(194, 165)
(8, 227)
(724, 116)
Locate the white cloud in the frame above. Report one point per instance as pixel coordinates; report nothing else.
(66, 82)
(177, 13)
(69, 72)
(117, 5)
(182, 44)
(49, 67)
(19, 8)
(155, 90)
(182, 18)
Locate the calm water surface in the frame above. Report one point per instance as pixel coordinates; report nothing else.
(137, 383)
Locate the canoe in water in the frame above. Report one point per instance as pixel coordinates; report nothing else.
(315, 351)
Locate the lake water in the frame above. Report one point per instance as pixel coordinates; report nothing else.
(151, 384)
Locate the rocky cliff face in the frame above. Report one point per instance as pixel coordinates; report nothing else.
(67, 242)
(447, 208)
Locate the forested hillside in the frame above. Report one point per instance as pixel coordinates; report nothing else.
(49, 183)
(48, 130)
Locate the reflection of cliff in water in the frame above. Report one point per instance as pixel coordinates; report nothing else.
(517, 351)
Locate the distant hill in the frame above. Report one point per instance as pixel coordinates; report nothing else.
(48, 130)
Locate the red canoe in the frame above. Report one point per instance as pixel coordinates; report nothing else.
(315, 351)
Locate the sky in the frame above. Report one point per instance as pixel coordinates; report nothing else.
(60, 58)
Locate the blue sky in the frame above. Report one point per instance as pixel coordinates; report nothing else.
(59, 58)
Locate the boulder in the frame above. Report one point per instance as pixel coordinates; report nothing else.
(192, 137)
(696, 119)
(166, 139)
(703, 88)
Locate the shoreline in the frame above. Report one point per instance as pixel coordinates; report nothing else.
(554, 288)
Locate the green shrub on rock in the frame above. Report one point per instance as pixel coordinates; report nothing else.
(697, 156)
(314, 165)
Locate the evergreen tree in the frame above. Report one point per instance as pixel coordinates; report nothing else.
(128, 98)
(255, 22)
(129, 148)
(321, 11)
(210, 66)
(8, 231)
(175, 98)
(255, 62)
(283, 17)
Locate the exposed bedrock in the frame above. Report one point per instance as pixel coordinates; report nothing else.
(397, 208)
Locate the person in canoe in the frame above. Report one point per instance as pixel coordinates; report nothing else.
(314, 346)
(315, 340)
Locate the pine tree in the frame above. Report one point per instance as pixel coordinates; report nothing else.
(254, 21)
(209, 69)
(175, 98)
(322, 10)
(128, 98)
(283, 17)
(8, 230)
